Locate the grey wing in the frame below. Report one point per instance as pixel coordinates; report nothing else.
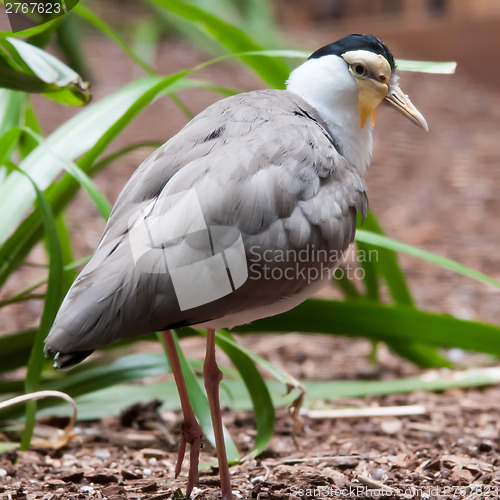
(196, 226)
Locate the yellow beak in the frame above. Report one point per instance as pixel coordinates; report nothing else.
(403, 104)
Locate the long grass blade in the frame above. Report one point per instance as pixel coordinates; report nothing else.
(70, 40)
(112, 34)
(69, 275)
(442, 68)
(432, 67)
(383, 263)
(375, 321)
(271, 70)
(386, 264)
(433, 380)
(12, 104)
(385, 242)
(91, 129)
(52, 302)
(99, 200)
(27, 143)
(110, 401)
(259, 394)
(15, 349)
(36, 30)
(89, 378)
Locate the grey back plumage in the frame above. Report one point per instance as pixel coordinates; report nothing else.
(263, 163)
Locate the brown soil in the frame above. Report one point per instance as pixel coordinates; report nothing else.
(438, 191)
(451, 452)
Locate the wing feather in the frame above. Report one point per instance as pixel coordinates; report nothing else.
(262, 163)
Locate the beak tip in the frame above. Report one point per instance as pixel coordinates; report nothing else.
(402, 103)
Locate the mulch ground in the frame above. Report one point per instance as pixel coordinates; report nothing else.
(438, 191)
(450, 452)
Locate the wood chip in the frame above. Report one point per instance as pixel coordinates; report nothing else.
(74, 477)
(154, 453)
(128, 474)
(102, 478)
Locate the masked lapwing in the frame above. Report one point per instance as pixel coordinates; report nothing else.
(241, 215)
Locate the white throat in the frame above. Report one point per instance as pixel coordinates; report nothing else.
(326, 84)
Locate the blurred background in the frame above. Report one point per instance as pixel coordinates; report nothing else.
(438, 190)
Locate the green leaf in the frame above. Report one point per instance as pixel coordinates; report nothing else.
(386, 264)
(84, 132)
(27, 143)
(271, 70)
(8, 446)
(443, 68)
(432, 67)
(435, 380)
(33, 70)
(110, 401)
(346, 285)
(99, 200)
(186, 83)
(8, 143)
(261, 399)
(36, 30)
(375, 321)
(71, 42)
(12, 105)
(385, 242)
(30, 231)
(382, 262)
(52, 301)
(88, 378)
(77, 173)
(96, 126)
(15, 349)
(69, 275)
(258, 20)
(107, 30)
(147, 37)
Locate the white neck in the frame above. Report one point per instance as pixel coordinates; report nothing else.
(326, 84)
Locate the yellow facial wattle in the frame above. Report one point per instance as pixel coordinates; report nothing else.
(369, 99)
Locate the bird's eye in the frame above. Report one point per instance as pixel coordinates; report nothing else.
(359, 70)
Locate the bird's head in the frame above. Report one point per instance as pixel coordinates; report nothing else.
(363, 63)
(346, 81)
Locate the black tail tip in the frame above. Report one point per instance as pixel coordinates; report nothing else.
(63, 360)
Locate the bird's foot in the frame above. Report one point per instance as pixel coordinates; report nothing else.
(191, 434)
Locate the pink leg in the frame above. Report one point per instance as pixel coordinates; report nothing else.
(213, 376)
(191, 431)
